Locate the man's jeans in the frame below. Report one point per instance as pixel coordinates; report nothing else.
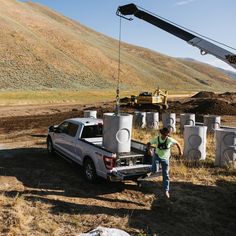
(156, 161)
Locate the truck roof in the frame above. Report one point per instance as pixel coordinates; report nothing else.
(85, 121)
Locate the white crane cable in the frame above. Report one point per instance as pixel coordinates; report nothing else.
(117, 110)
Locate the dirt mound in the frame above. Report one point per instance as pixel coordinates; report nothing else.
(205, 94)
(125, 100)
(228, 96)
(214, 107)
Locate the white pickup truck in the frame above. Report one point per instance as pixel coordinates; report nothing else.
(80, 140)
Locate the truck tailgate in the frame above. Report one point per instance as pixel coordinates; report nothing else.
(129, 172)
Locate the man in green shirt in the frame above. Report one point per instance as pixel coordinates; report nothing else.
(163, 144)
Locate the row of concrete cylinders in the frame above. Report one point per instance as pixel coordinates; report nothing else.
(151, 120)
(117, 138)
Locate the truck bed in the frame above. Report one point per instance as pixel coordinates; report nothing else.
(136, 156)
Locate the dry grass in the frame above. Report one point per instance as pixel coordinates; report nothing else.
(59, 96)
(41, 195)
(201, 192)
(70, 96)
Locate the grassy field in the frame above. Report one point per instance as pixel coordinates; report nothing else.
(68, 96)
(47, 97)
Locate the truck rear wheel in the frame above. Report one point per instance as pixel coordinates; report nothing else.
(90, 171)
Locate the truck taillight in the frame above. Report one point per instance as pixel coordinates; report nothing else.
(109, 162)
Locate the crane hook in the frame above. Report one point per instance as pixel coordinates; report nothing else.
(119, 14)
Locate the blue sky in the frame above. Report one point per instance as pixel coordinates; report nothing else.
(212, 18)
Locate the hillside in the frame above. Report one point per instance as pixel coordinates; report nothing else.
(231, 74)
(41, 49)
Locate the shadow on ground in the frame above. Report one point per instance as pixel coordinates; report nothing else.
(192, 210)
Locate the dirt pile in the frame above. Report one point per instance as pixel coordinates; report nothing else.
(227, 96)
(205, 94)
(125, 100)
(206, 102)
(213, 106)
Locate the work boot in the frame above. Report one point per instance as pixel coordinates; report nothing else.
(167, 194)
(153, 175)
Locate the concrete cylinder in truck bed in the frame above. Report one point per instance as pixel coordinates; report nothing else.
(117, 131)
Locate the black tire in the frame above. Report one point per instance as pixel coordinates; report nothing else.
(50, 147)
(90, 171)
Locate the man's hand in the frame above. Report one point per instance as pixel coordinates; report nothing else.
(180, 149)
(148, 145)
(150, 151)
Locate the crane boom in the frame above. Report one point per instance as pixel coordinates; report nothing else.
(204, 45)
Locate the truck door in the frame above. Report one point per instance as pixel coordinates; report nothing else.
(70, 140)
(59, 136)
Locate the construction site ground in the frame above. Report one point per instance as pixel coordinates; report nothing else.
(45, 195)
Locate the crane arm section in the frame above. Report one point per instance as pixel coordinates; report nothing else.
(204, 45)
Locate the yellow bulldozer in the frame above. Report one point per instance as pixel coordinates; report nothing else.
(157, 99)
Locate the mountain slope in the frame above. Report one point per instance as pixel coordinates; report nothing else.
(41, 49)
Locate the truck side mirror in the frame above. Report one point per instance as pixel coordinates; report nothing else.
(51, 128)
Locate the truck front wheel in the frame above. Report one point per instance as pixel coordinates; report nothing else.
(90, 171)
(50, 147)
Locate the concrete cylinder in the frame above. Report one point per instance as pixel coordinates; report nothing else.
(225, 147)
(139, 119)
(186, 119)
(152, 120)
(117, 131)
(169, 121)
(212, 122)
(90, 114)
(195, 142)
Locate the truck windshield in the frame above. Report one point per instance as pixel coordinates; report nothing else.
(92, 131)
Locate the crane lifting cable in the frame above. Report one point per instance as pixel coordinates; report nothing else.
(117, 109)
